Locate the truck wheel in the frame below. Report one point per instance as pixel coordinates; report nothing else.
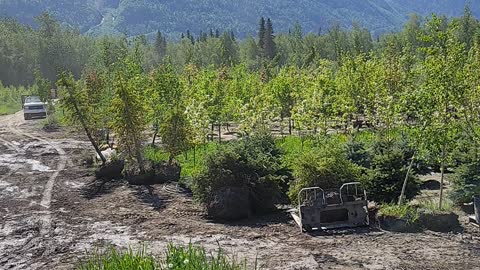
(26, 117)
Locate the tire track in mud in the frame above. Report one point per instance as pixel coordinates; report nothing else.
(13, 148)
(46, 219)
(35, 227)
(10, 146)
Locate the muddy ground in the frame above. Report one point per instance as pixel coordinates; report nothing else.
(50, 217)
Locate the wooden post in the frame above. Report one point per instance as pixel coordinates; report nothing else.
(402, 195)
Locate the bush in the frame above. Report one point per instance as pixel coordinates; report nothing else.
(253, 164)
(326, 167)
(358, 153)
(466, 183)
(384, 180)
(465, 151)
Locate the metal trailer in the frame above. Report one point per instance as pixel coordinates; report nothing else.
(322, 210)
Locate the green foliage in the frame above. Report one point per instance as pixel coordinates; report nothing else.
(384, 180)
(430, 206)
(11, 98)
(191, 257)
(357, 153)
(74, 100)
(466, 182)
(195, 257)
(325, 166)
(128, 111)
(175, 133)
(400, 211)
(117, 260)
(167, 109)
(137, 18)
(253, 163)
(422, 81)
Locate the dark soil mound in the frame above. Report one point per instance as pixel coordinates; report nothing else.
(398, 224)
(447, 222)
(431, 185)
(230, 203)
(111, 170)
(158, 173)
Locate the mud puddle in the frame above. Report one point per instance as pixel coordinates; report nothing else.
(16, 163)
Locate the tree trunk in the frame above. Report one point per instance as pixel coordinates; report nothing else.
(219, 132)
(301, 140)
(92, 141)
(194, 156)
(290, 126)
(138, 154)
(402, 195)
(281, 127)
(211, 133)
(154, 137)
(89, 135)
(442, 171)
(107, 138)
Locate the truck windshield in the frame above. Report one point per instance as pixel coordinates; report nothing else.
(32, 99)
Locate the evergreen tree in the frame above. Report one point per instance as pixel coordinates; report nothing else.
(468, 25)
(228, 49)
(160, 45)
(203, 37)
(190, 37)
(270, 48)
(261, 35)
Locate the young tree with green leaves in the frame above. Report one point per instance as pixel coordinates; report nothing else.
(164, 94)
(128, 110)
(313, 109)
(75, 101)
(168, 111)
(442, 71)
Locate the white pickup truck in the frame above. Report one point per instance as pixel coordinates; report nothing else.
(33, 107)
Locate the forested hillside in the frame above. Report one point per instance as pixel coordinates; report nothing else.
(173, 17)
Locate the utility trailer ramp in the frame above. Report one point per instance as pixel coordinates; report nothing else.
(322, 210)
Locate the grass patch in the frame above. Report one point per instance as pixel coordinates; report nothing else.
(430, 206)
(293, 147)
(9, 108)
(11, 98)
(195, 257)
(189, 257)
(400, 211)
(116, 260)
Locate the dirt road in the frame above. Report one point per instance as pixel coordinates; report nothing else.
(49, 217)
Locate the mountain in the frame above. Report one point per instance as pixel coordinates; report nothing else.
(135, 17)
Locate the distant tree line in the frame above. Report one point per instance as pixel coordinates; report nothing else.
(51, 48)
